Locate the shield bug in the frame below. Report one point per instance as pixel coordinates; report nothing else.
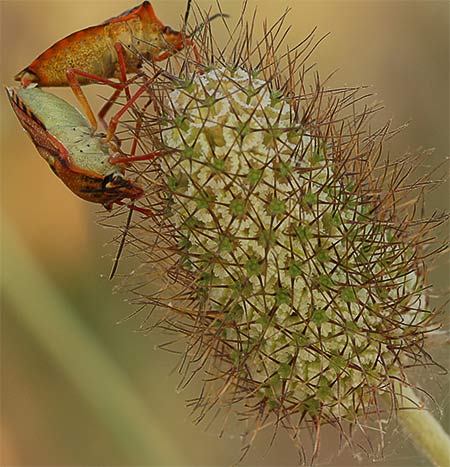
(112, 49)
(92, 54)
(64, 138)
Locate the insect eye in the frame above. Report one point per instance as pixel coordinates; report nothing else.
(112, 180)
(117, 178)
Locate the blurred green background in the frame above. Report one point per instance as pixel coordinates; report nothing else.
(79, 389)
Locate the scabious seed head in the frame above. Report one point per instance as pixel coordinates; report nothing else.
(285, 261)
(311, 279)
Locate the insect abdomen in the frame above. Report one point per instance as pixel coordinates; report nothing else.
(89, 50)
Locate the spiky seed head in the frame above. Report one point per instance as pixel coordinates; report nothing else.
(277, 247)
(315, 299)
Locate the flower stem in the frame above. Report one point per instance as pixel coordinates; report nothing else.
(426, 433)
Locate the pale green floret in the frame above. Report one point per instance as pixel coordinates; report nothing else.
(310, 288)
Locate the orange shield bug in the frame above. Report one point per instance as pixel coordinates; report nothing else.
(91, 51)
(118, 46)
(109, 50)
(64, 138)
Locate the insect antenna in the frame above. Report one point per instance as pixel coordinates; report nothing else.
(122, 242)
(199, 27)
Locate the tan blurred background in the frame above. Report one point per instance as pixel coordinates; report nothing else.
(400, 48)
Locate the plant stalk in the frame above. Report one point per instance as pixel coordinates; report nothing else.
(426, 433)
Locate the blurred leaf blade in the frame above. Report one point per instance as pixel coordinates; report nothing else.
(47, 315)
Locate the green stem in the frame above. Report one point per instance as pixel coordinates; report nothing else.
(426, 433)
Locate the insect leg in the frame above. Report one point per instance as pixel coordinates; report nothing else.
(132, 156)
(146, 212)
(106, 107)
(76, 88)
(116, 118)
(123, 68)
(79, 94)
(123, 75)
